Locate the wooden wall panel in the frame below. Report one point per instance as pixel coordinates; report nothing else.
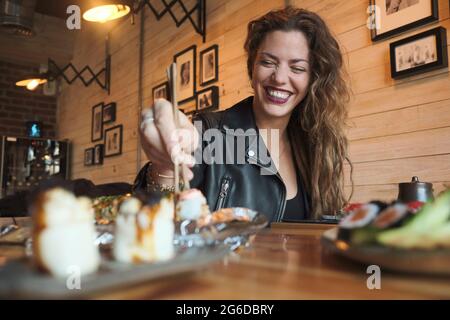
(397, 129)
(227, 25)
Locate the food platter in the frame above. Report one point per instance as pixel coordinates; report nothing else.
(233, 232)
(196, 247)
(20, 279)
(430, 262)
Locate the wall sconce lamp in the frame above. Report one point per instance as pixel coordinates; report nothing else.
(32, 82)
(102, 77)
(107, 10)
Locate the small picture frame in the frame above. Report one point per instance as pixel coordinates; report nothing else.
(419, 53)
(97, 122)
(186, 67)
(209, 65)
(389, 18)
(161, 91)
(109, 113)
(98, 154)
(113, 141)
(88, 156)
(208, 99)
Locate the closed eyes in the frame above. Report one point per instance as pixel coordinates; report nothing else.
(294, 69)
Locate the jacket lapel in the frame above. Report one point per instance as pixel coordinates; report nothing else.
(239, 121)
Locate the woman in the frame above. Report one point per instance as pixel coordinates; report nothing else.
(295, 68)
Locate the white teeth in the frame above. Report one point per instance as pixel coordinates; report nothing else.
(278, 94)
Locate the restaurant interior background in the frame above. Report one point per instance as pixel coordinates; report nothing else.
(398, 128)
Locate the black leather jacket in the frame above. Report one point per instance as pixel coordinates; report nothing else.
(253, 184)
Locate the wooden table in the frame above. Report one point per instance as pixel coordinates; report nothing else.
(286, 261)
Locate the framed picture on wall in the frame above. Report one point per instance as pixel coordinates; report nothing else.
(186, 67)
(109, 112)
(98, 154)
(419, 53)
(97, 122)
(392, 17)
(209, 65)
(208, 99)
(113, 141)
(89, 156)
(161, 91)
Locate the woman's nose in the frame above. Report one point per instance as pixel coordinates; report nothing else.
(280, 75)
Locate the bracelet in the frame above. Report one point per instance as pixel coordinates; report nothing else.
(153, 186)
(164, 176)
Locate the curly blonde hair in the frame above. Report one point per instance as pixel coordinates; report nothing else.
(317, 125)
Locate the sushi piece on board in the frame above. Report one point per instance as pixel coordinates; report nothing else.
(64, 233)
(191, 205)
(360, 217)
(392, 216)
(415, 206)
(353, 226)
(144, 233)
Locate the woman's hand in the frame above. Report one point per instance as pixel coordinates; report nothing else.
(163, 143)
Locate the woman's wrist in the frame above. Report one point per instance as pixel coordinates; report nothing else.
(162, 175)
(161, 180)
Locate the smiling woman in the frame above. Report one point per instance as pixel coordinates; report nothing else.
(280, 75)
(295, 120)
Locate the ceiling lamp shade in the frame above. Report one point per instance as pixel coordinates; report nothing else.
(16, 16)
(106, 10)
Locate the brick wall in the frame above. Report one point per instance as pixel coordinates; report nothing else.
(19, 105)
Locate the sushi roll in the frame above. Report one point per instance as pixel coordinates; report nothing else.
(392, 216)
(380, 204)
(64, 233)
(144, 232)
(415, 206)
(360, 217)
(191, 205)
(353, 228)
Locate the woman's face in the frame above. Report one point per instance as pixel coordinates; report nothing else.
(281, 73)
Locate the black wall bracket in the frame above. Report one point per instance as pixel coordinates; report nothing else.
(196, 15)
(102, 77)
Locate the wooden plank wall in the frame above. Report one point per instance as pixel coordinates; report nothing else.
(227, 22)
(76, 101)
(397, 129)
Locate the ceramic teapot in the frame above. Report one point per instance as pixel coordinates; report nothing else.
(415, 191)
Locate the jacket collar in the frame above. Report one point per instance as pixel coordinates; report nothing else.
(241, 116)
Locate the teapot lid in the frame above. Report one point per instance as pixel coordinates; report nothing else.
(414, 181)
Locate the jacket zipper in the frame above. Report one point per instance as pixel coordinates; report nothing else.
(282, 207)
(283, 204)
(224, 188)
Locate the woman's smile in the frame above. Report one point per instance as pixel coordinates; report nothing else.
(277, 96)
